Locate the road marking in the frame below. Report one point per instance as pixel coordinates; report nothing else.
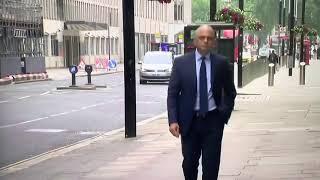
(266, 123)
(45, 93)
(25, 122)
(3, 102)
(298, 110)
(148, 102)
(59, 114)
(91, 106)
(46, 130)
(24, 97)
(52, 115)
(90, 132)
(23, 164)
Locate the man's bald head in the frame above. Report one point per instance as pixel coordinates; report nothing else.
(204, 39)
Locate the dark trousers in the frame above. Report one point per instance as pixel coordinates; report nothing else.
(204, 138)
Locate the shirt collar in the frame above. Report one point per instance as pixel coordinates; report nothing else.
(198, 55)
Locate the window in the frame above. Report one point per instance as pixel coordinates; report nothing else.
(54, 45)
(97, 46)
(175, 12)
(45, 45)
(92, 45)
(112, 46)
(103, 43)
(116, 45)
(86, 44)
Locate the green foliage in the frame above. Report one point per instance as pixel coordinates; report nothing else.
(312, 14)
(200, 10)
(267, 11)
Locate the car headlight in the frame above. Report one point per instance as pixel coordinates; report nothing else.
(168, 70)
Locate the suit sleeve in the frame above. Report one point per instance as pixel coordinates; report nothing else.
(229, 91)
(173, 93)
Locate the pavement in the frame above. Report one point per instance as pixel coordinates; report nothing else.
(274, 133)
(55, 74)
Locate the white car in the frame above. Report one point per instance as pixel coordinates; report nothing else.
(265, 51)
(156, 66)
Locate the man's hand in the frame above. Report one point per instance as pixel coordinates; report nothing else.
(174, 129)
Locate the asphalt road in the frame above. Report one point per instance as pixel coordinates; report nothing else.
(36, 118)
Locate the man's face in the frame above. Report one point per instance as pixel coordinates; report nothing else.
(204, 41)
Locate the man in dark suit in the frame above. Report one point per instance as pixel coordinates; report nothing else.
(200, 100)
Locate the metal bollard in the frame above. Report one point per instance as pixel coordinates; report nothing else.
(88, 69)
(271, 74)
(302, 73)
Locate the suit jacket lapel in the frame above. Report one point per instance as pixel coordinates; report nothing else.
(213, 69)
(193, 73)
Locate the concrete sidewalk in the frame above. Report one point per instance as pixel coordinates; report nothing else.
(274, 134)
(55, 74)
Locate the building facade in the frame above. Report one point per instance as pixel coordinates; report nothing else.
(91, 31)
(160, 22)
(80, 31)
(21, 32)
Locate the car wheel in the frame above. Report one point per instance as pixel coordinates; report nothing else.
(143, 82)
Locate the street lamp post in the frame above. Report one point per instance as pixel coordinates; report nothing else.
(129, 68)
(240, 48)
(291, 25)
(302, 34)
(109, 46)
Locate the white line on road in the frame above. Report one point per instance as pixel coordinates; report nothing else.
(52, 115)
(297, 110)
(63, 150)
(148, 102)
(59, 114)
(45, 93)
(24, 97)
(91, 106)
(3, 102)
(25, 122)
(46, 130)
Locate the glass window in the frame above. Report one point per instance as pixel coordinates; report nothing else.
(92, 45)
(86, 44)
(158, 58)
(45, 45)
(97, 45)
(175, 12)
(112, 46)
(103, 45)
(54, 45)
(116, 45)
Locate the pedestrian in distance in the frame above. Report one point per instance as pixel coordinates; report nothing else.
(273, 58)
(200, 101)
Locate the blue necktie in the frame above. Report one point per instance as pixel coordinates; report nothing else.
(203, 88)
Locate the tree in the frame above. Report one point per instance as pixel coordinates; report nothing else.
(200, 10)
(312, 14)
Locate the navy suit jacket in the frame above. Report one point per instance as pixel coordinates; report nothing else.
(182, 90)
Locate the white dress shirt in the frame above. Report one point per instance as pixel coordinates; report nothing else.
(211, 103)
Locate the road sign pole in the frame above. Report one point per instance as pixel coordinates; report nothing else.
(129, 68)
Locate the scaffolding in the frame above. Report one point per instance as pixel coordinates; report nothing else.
(21, 28)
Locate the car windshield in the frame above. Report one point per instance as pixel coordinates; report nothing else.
(158, 59)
